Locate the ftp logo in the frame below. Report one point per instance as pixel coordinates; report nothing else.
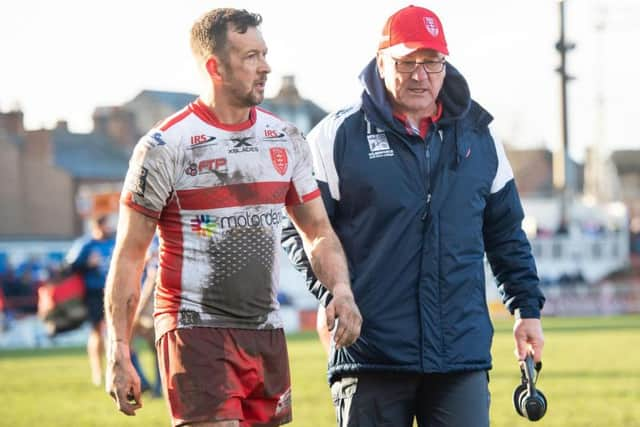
(211, 165)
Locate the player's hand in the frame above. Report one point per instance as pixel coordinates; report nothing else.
(343, 314)
(529, 339)
(122, 381)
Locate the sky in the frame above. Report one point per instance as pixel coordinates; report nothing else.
(62, 59)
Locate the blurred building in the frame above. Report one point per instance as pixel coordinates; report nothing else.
(41, 172)
(52, 179)
(533, 171)
(289, 105)
(150, 106)
(627, 164)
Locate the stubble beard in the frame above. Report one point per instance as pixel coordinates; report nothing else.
(244, 99)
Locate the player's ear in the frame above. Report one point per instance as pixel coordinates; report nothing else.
(213, 66)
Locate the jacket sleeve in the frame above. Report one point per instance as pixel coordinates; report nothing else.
(321, 141)
(507, 247)
(292, 244)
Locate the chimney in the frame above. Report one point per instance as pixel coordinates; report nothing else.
(288, 90)
(100, 120)
(38, 145)
(12, 122)
(62, 126)
(121, 127)
(118, 124)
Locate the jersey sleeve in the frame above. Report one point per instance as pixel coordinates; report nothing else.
(303, 186)
(151, 176)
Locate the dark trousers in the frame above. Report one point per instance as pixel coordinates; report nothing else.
(394, 399)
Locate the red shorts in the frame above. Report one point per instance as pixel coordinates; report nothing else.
(215, 374)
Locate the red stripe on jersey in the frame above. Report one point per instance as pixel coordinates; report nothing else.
(203, 111)
(294, 199)
(311, 196)
(127, 200)
(177, 117)
(253, 193)
(171, 250)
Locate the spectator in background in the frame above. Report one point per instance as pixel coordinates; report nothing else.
(90, 256)
(20, 290)
(3, 318)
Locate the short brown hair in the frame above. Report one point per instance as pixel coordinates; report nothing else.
(209, 33)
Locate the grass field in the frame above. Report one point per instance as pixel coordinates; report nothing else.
(591, 377)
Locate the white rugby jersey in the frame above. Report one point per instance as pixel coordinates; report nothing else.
(218, 192)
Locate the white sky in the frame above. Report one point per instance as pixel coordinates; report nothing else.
(60, 59)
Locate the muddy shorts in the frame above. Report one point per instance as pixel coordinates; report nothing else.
(216, 374)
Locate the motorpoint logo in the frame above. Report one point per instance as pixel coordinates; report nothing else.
(246, 219)
(206, 225)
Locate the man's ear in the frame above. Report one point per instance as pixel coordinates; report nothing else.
(380, 65)
(212, 65)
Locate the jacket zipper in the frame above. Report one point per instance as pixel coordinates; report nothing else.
(427, 204)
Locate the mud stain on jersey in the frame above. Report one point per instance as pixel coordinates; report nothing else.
(240, 283)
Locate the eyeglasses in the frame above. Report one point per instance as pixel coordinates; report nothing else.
(431, 67)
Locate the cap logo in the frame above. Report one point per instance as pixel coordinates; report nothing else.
(431, 26)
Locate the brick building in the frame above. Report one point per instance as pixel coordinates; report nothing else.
(43, 171)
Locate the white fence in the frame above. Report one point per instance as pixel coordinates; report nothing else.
(589, 256)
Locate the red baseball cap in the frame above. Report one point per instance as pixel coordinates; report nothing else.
(410, 29)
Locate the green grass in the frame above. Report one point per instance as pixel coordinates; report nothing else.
(591, 377)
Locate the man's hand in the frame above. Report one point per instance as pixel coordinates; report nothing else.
(122, 381)
(343, 308)
(529, 338)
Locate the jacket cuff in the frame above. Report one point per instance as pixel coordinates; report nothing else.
(526, 313)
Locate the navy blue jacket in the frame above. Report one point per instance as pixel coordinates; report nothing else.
(415, 217)
(78, 259)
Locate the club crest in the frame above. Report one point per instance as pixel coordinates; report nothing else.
(279, 159)
(431, 26)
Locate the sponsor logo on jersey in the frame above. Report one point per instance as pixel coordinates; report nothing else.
(157, 137)
(242, 145)
(273, 134)
(192, 169)
(207, 225)
(201, 139)
(218, 165)
(140, 181)
(212, 165)
(204, 225)
(279, 159)
(246, 219)
(189, 317)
